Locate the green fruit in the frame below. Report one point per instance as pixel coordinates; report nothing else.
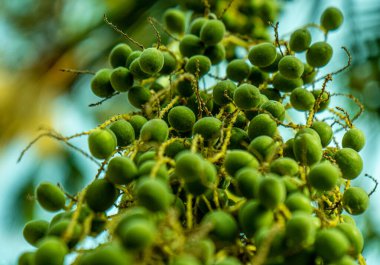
(137, 122)
(349, 162)
(134, 55)
(319, 54)
(181, 118)
(309, 74)
(247, 96)
(174, 21)
(300, 231)
(300, 40)
(137, 234)
(271, 192)
(354, 236)
(146, 156)
(355, 200)
(287, 148)
(119, 55)
(185, 260)
(253, 216)
(50, 197)
(256, 76)
(307, 149)
(121, 170)
(326, 243)
(175, 147)
(137, 71)
(145, 169)
(284, 166)
(59, 229)
(110, 254)
(301, 99)
(347, 219)
(191, 45)
(262, 55)
(154, 130)
(153, 194)
(229, 261)
(102, 143)
(247, 182)
(286, 85)
(124, 132)
(262, 124)
(273, 67)
(331, 18)
(237, 159)
(185, 84)
(239, 138)
(139, 96)
(298, 202)
(223, 225)
(263, 148)
(324, 131)
(51, 251)
(198, 65)
(223, 92)
(35, 230)
(101, 83)
(325, 100)
(130, 214)
(275, 108)
(212, 32)
(216, 53)
(196, 25)
(324, 176)
(101, 195)
(238, 70)
(26, 258)
(170, 63)
(346, 260)
(121, 79)
(354, 138)
(290, 67)
(208, 127)
(151, 60)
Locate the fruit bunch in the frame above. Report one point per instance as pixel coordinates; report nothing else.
(200, 173)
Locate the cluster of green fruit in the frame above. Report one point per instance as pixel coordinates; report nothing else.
(203, 176)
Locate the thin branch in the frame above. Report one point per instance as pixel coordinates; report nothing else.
(103, 100)
(376, 183)
(158, 36)
(75, 71)
(226, 9)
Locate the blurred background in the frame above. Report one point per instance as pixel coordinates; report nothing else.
(38, 38)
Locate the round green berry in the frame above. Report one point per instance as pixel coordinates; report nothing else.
(151, 60)
(324, 100)
(146, 169)
(212, 32)
(324, 176)
(263, 147)
(223, 92)
(181, 118)
(298, 202)
(137, 234)
(196, 25)
(284, 166)
(138, 96)
(275, 108)
(301, 99)
(153, 194)
(191, 45)
(224, 226)
(326, 243)
(331, 18)
(155, 130)
(26, 258)
(273, 67)
(121, 79)
(102, 143)
(319, 54)
(271, 192)
(354, 138)
(50, 251)
(101, 83)
(238, 70)
(300, 40)
(185, 84)
(262, 124)
(174, 21)
(216, 53)
(237, 159)
(247, 182)
(290, 67)
(208, 127)
(256, 76)
(124, 132)
(284, 84)
(137, 71)
(121, 170)
(355, 200)
(110, 254)
(59, 229)
(307, 149)
(101, 195)
(300, 231)
(247, 96)
(134, 55)
(354, 236)
(349, 162)
(119, 55)
(346, 260)
(324, 131)
(198, 65)
(50, 197)
(35, 230)
(262, 55)
(253, 216)
(137, 122)
(170, 63)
